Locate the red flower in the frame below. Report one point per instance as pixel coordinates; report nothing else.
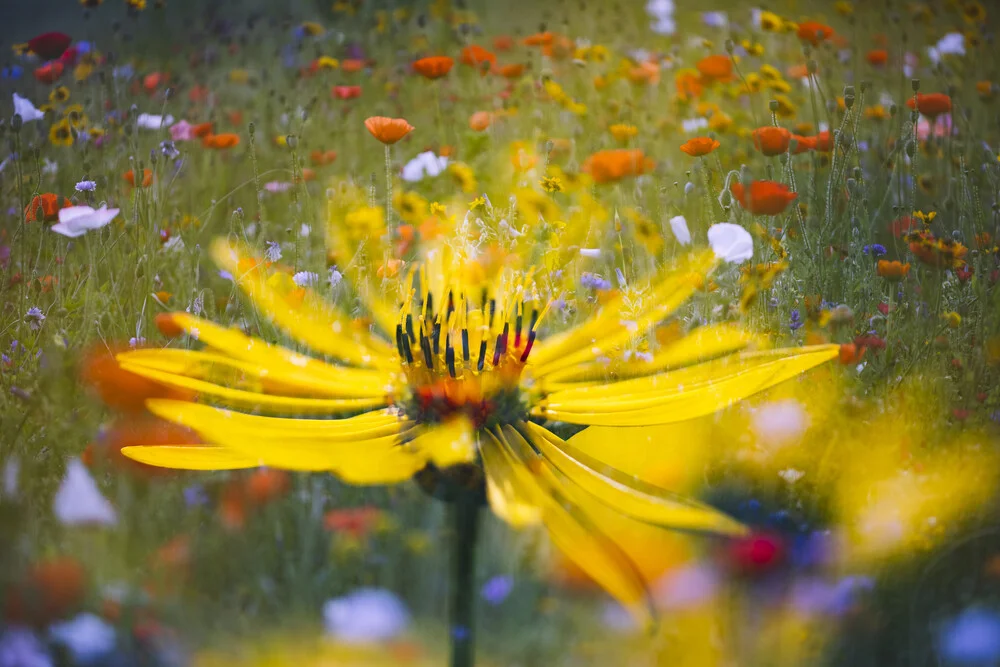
(354, 521)
(878, 57)
(49, 73)
(764, 197)
(50, 590)
(814, 32)
(717, 68)
(902, 225)
(931, 104)
(771, 140)
(612, 165)
(756, 553)
(346, 92)
(474, 55)
(49, 205)
(50, 45)
(433, 67)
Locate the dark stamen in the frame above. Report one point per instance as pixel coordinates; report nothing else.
(527, 346)
(436, 335)
(493, 311)
(517, 331)
(399, 340)
(465, 345)
(408, 353)
(409, 327)
(449, 357)
(482, 356)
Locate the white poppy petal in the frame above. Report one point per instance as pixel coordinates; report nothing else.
(731, 243)
(24, 108)
(679, 226)
(78, 500)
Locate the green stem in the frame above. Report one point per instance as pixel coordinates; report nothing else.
(465, 515)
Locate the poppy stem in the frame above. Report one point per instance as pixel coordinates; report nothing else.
(465, 517)
(388, 193)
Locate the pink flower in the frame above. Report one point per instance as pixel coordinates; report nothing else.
(182, 131)
(277, 186)
(941, 127)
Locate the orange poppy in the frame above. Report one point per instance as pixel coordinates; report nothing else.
(322, 158)
(700, 146)
(822, 142)
(851, 354)
(799, 71)
(433, 67)
(986, 89)
(647, 73)
(717, 68)
(612, 165)
(771, 140)
(560, 48)
(137, 431)
(198, 94)
(306, 176)
(688, 85)
(147, 177)
(503, 42)
(764, 197)
(352, 65)
(936, 250)
(480, 120)
(877, 57)
(931, 104)
(202, 130)
(121, 389)
(892, 270)
(539, 39)
(388, 130)
(814, 32)
(475, 55)
(49, 72)
(511, 71)
(49, 590)
(235, 117)
(265, 485)
(49, 204)
(221, 141)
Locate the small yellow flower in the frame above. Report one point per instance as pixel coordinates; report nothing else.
(241, 76)
(137, 5)
(720, 122)
(925, 218)
(551, 184)
(779, 85)
(365, 223)
(411, 206)
(82, 72)
(786, 108)
(464, 176)
(59, 95)
(326, 62)
(771, 22)
(752, 47)
(623, 131)
(953, 319)
(770, 73)
(843, 7)
(438, 208)
(61, 133)
(973, 12)
(477, 203)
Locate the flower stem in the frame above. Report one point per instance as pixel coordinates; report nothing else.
(388, 191)
(465, 517)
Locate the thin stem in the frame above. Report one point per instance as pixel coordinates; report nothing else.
(388, 191)
(465, 515)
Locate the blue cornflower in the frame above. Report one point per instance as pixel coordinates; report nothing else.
(875, 250)
(86, 186)
(594, 281)
(795, 321)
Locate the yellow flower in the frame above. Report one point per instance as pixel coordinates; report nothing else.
(535, 207)
(623, 131)
(752, 47)
(326, 62)
(455, 382)
(786, 108)
(925, 218)
(61, 133)
(843, 7)
(59, 95)
(771, 22)
(137, 5)
(720, 122)
(953, 319)
(365, 223)
(464, 176)
(754, 83)
(240, 76)
(551, 184)
(477, 203)
(770, 73)
(973, 12)
(412, 207)
(438, 209)
(82, 72)
(779, 85)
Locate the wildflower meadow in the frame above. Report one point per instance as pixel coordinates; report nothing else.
(455, 332)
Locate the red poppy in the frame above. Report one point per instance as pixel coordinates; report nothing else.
(50, 72)
(49, 590)
(433, 67)
(265, 485)
(764, 197)
(152, 81)
(802, 144)
(931, 104)
(198, 94)
(612, 165)
(474, 55)
(814, 32)
(511, 71)
(235, 117)
(480, 120)
(771, 140)
(539, 39)
(50, 45)
(346, 92)
(503, 42)
(354, 521)
(221, 141)
(147, 177)
(202, 130)
(388, 130)
(901, 226)
(877, 57)
(823, 142)
(322, 158)
(352, 65)
(717, 68)
(49, 204)
(851, 354)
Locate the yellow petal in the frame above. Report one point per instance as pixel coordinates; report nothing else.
(629, 496)
(682, 394)
(189, 457)
(222, 369)
(255, 400)
(576, 536)
(509, 493)
(449, 443)
(314, 323)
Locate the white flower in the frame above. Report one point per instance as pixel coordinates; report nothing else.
(78, 501)
(424, 165)
(49, 167)
(305, 278)
(272, 252)
(791, 475)
(34, 317)
(27, 110)
(679, 226)
(715, 19)
(779, 423)
(692, 125)
(367, 615)
(592, 253)
(20, 647)
(660, 9)
(150, 121)
(174, 244)
(78, 220)
(731, 243)
(87, 637)
(952, 44)
(8, 480)
(334, 278)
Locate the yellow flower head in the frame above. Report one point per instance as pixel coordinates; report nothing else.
(61, 133)
(411, 206)
(623, 131)
(366, 222)
(59, 95)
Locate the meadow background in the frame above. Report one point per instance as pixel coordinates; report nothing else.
(872, 483)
